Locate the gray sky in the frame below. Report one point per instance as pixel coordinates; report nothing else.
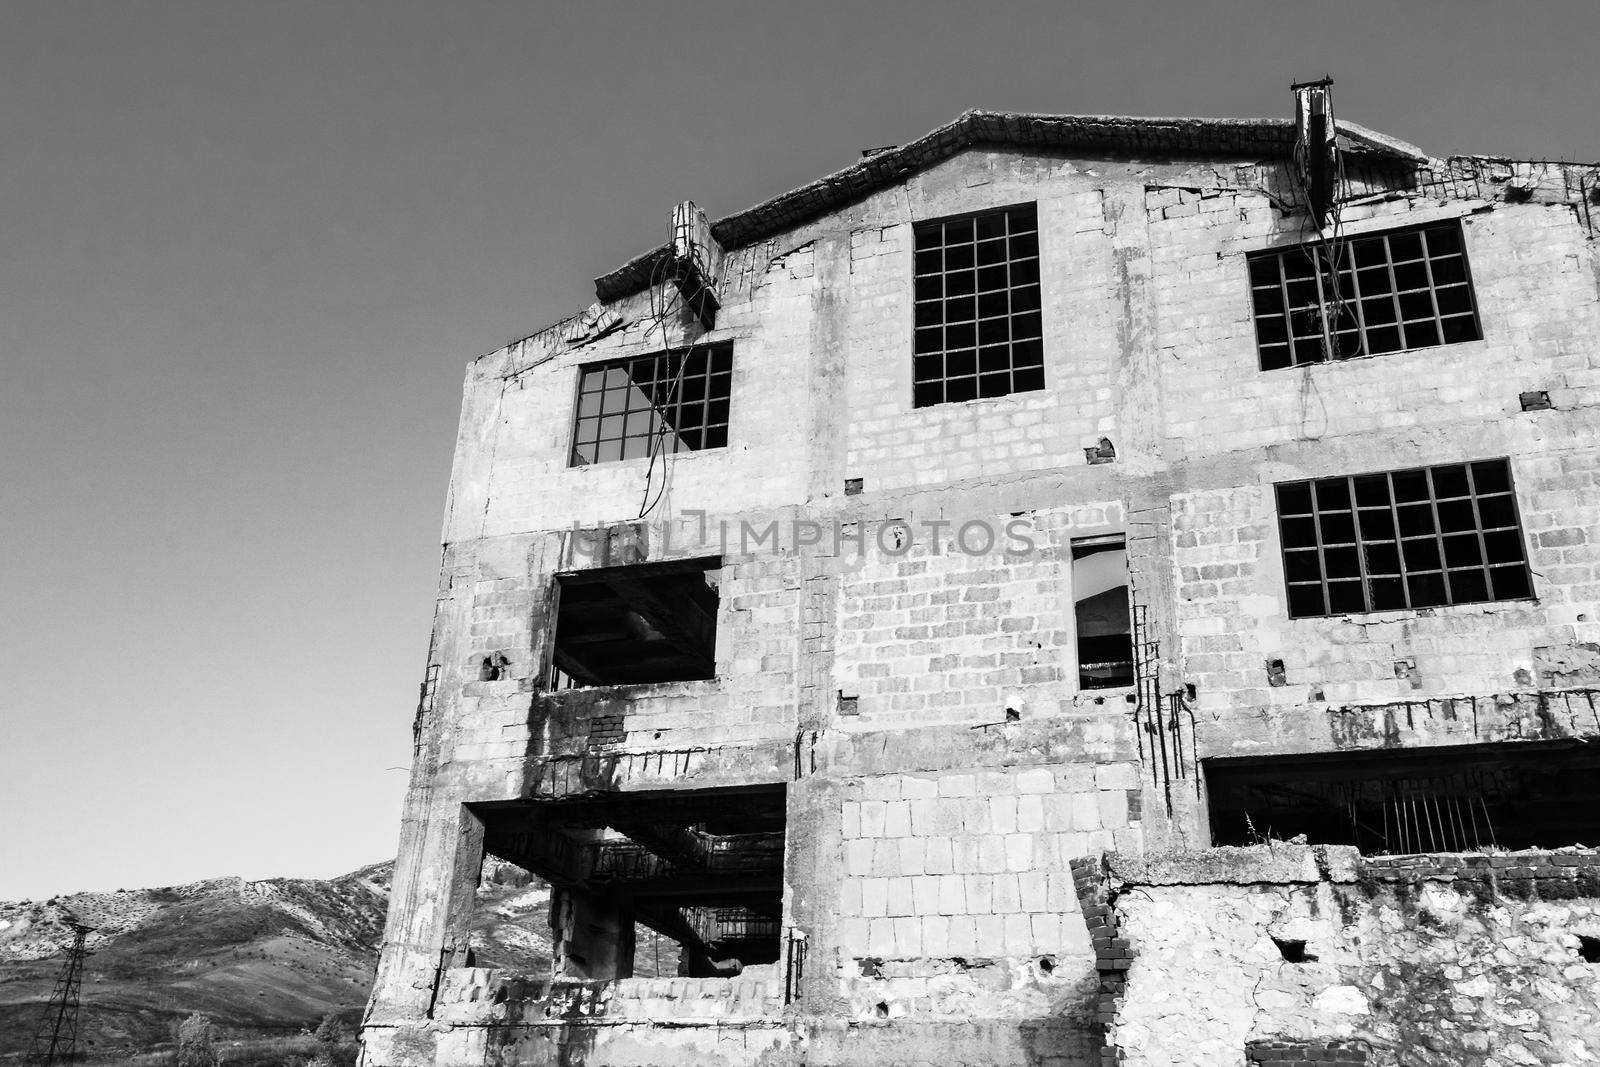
(248, 248)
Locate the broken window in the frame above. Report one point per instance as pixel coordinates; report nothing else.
(701, 870)
(1402, 539)
(1402, 289)
(648, 622)
(979, 329)
(653, 405)
(1100, 595)
(1511, 796)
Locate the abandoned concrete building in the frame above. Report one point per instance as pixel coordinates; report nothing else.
(1065, 590)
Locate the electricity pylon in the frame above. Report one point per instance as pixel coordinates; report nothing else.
(56, 1040)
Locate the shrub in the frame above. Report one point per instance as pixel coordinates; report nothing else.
(197, 1042)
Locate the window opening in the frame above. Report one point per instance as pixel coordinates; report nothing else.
(680, 398)
(683, 882)
(510, 927)
(1403, 289)
(1104, 623)
(1512, 796)
(1293, 950)
(648, 622)
(979, 328)
(1402, 539)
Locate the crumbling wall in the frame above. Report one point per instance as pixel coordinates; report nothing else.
(1446, 959)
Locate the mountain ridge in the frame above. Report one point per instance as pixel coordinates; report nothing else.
(263, 958)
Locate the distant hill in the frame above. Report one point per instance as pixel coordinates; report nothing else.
(261, 958)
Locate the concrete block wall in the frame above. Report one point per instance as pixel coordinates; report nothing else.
(974, 864)
(894, 445)
(1233, 615)
(1533, 273)
(943, 634)
(930, 832)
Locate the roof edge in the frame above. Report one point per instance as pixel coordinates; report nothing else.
(1121, 134)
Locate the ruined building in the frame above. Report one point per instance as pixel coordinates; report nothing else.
(1066, 590)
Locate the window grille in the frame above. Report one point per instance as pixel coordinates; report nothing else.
(1402, 539)
(1403, 289)
(979, 329)
(679, 400)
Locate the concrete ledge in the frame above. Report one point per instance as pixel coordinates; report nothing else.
(1276, 863)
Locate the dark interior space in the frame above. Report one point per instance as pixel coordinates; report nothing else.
(703, 868)
(648, 622)
(1104, 625)
(1511, 796)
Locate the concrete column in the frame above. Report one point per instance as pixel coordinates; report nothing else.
(592, 934)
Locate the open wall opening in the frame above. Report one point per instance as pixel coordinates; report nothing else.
(1513, 796)
(700, 870)
(1104, 623)
(647, 622)
(509, 927)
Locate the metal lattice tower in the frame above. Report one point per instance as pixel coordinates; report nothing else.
(56, 1040)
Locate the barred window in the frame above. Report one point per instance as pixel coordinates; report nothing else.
(978, 324)
(1402, 539)
(1403, 289)
(678, 400)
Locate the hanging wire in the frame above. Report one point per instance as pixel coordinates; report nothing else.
(662, 305)
(1327, 251)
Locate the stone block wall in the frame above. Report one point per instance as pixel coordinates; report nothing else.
(1256, 954)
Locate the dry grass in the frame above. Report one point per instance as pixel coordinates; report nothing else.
(294, 1051)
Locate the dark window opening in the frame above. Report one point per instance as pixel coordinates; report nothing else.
(681, 882)
(1404, 289)
(1105, 626)
(1293, 950)
(1589, 949)
(653, 405)
(979, 327)
(1402, 539)
(1518, 795)
(648, 622)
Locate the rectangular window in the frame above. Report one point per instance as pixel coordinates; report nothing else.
(657, 404)
(1402, 289)
(979, 329)
(645, 622)
(1105, 628)
(1402, 539)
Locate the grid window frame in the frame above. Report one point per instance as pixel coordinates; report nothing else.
(978, 316)
(1398, 290)
(679, 397)
(1403, 540)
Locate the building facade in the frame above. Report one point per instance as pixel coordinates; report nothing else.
(1013, 600)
